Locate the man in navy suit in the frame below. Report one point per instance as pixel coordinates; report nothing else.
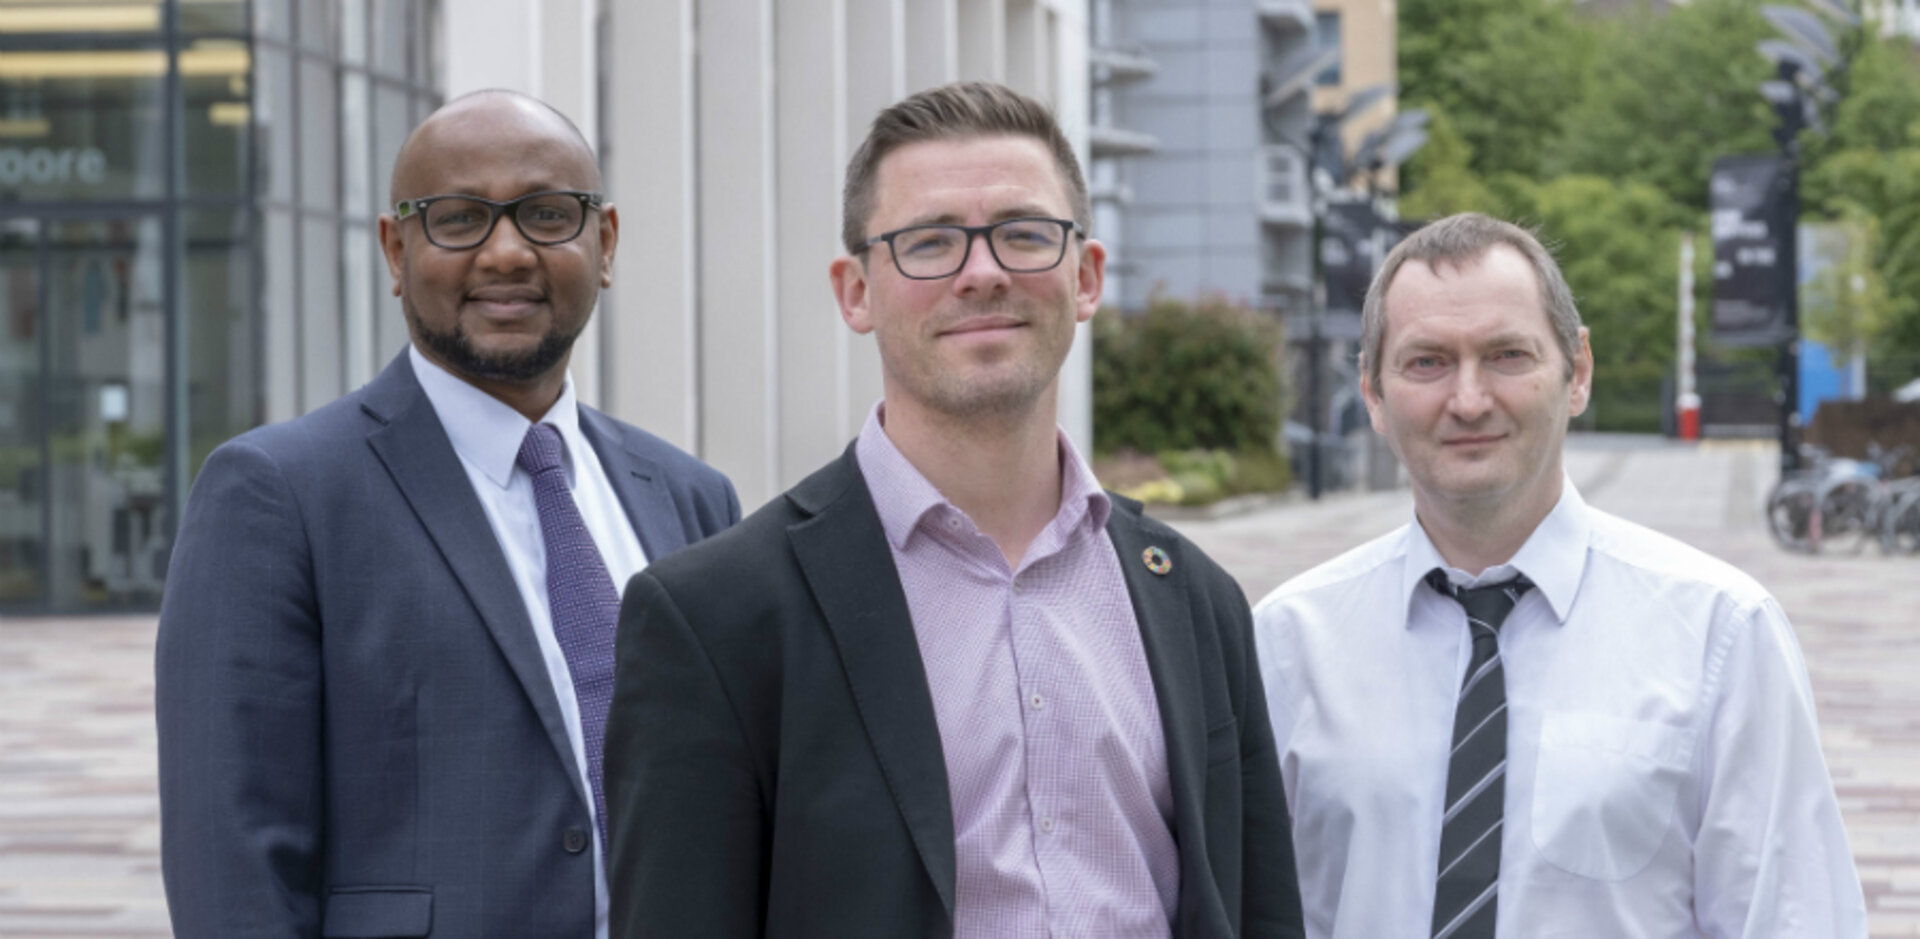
(386, 647)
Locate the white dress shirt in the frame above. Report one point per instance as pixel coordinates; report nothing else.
(486, 433)
(1664, 774)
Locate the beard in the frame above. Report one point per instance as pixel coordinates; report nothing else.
(455, 349)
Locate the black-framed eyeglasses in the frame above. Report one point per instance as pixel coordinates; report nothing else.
(457, 223)
(1019, 245)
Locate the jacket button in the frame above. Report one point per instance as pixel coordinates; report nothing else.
(575, 840)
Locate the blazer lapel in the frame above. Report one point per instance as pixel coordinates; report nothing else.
(843, 551)
(636, 481)
(1162, 606)
(413, 446)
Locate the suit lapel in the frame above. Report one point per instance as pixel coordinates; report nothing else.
(1162, 605)
(413, 446)
(843, 551)
(636, 481)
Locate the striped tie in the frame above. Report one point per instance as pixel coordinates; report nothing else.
(1465, 904)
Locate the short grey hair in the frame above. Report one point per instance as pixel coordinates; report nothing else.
(1458, 240)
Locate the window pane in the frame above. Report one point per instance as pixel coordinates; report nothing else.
(273, 19)
(320, 358)
(392, 28)
(213, 16)
(216, 303)
(83, 124)
(390, 126)
(273, 114)
(279, 340)
(356, 151)
(316, 25)
(353, 31)
(357, 294)
(215, 116)
(319, 135)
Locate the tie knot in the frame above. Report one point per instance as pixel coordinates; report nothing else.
(1489, 604)
(540, 450)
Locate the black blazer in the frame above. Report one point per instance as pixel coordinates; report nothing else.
(358, 735)
(774, 768)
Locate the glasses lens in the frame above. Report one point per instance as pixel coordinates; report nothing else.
(933, 251)
(550, 218)
(456, 222)
(1027, 245)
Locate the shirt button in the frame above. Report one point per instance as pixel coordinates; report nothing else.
(1046, 825)
(1037, 701)
(953, 523)
(574, 840)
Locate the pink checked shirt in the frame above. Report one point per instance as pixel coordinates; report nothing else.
(1056, 762)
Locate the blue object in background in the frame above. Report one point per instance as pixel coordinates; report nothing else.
(1821, 378)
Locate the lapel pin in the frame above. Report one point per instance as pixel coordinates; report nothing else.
(1157, 560)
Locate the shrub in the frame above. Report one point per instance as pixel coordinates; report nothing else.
(1186, 377)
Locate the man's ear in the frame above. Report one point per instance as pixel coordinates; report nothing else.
(1582, 385)
(609, 237)
(1090, 280)
(849, 275)
(1371, 396)
(393, 247)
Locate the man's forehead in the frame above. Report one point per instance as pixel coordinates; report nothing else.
(944, 175)
(493, 144)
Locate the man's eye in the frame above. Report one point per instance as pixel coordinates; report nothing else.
(925, 242)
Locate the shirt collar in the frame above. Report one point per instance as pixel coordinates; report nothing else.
(903, 497)
(484, 430)
(1554, 557)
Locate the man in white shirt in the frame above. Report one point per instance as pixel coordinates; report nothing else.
(1519, 715)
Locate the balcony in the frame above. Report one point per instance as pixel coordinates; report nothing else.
(1287, 14)
(1113, 64)
(1105, 141)
(1281, 187)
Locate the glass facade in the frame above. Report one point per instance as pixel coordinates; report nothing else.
(188, 191)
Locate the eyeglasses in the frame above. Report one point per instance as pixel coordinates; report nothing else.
(1019, 245)
(458, 223)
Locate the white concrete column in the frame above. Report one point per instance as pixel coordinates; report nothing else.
(876, 55)
(1027, 51)
(739, 361)
(810, 67)
(983, 39)
(1066, 38)
(649, 319)
(569, 74)
(487, 46)
(932, 42)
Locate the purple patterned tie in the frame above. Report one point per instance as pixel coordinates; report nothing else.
(581, 595)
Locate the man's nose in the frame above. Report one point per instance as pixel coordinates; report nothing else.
(981, 271)
(505, 248)
(1471, 398)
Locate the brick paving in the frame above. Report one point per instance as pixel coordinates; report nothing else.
(79, 833)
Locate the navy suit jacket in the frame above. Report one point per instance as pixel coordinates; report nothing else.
(358, 735)
(774, 767)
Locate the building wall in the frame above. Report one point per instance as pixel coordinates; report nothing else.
(725, 127)
(1369, 55)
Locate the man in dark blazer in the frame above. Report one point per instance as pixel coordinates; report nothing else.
(374, 672)
(945, 686)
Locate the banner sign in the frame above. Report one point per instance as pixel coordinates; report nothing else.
(1752, 269)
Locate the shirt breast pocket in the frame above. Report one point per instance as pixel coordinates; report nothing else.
(1604, 792)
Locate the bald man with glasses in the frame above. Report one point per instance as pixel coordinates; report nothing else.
(386, 649)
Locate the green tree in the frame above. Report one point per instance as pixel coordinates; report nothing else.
(1506, 71)
(1669, 94)
(1618, 243)
(1185, 377)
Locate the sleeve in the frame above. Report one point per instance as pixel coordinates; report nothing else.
(237, 698)
(685, 811)
(1771, 855)
(1270, 878)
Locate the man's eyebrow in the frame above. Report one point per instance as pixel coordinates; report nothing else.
(1493, 341)
(1023, 210)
